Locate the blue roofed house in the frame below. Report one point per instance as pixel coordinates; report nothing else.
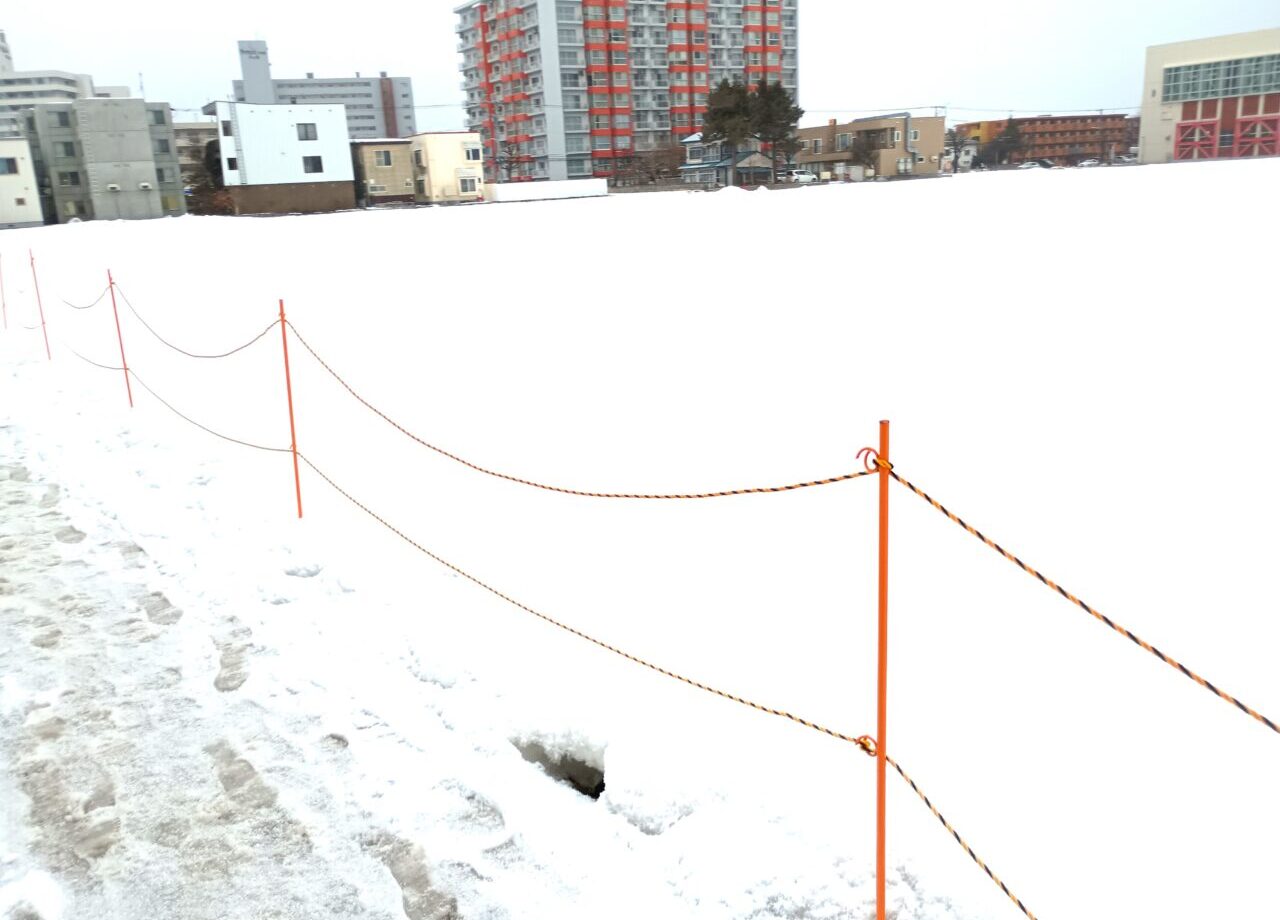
(708, 164)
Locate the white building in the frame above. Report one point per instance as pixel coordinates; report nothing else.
(19, 191)
(376, 107)
(448, 166)
(1212, 98)
(285, 158)
(20, 89)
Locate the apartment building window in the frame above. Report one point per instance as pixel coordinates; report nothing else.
(157, 116)
(232, 164)
(382, 158)
(67, 179)
(161, 177)
(226, 129)
(8, 166)
(915, 134)
(817, 145)
(418, 160)
(307, 131)
(473, 154)
(162, 145)
(312, 165)
(74, 209)
(897, 135)
(842, 142)
(62, 119)
(467, 186)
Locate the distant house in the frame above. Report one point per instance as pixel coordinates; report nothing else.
(709, 163)
(384, 171)
(901, 145)
(448, 167)
(19, 193)
(283, 159)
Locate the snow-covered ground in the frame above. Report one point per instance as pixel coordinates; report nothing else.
(209, 708)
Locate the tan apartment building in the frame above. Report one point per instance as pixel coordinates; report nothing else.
(894, 145)
(191, 138)
(448, 167)
(384, 171)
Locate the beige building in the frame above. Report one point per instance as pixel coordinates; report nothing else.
(191, 138)
(384, 171)
(19, 191)
(1213, 98)
(448, 167)
(896, 145)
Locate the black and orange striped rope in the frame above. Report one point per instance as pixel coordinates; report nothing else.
(868, 744)
(560, 489)
(864, 741)
(1141, 643)
(183, 351)
(567, 628)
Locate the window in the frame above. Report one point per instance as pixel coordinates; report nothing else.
(157, 116)
(897, 135)
(64, 149)
(467, 186)
(66, 179)
(306, 131)
(312, 165)
(160, 175)
(8, 166)
(162, 145)
(232, 164)
(418, 160)
(226, 129)
(20, 202)
(377, 188)
(380, 157)
(62, 119)
(473, 154)
(915, 134)
(842, 142)
(817, 145)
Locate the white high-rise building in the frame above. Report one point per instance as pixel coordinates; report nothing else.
(20, 89)
(563, 89)
(378, 106)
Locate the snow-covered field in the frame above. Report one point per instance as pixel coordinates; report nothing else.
(210, 709)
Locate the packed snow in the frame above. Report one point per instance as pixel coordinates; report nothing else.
(210, 708)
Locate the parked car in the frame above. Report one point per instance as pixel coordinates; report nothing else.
(1037, 164)
(799, 175)
(1124, 158)
(1089, 162)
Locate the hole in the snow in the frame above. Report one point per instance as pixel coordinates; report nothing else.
(582, 776)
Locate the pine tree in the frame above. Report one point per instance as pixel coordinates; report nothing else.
(774, 116)
(728, 120)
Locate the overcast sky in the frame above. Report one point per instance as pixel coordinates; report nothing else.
(855, 58)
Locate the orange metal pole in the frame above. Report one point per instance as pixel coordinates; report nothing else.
(128, 388)
(48, 354)
(288, 387)
(882, 671)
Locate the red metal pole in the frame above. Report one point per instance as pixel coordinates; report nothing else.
(4, 304)
(882, 671)
(288, 386)
(128, 388)
(48, 354)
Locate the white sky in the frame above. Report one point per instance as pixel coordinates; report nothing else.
(854, 57)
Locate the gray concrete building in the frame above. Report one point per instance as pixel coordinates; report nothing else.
(6, 56)
(105, 159)
(378, 106)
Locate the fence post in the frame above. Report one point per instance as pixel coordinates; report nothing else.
(48, 354)
(288, 387)
(882, 671)
(4, 304)
(111, 286)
